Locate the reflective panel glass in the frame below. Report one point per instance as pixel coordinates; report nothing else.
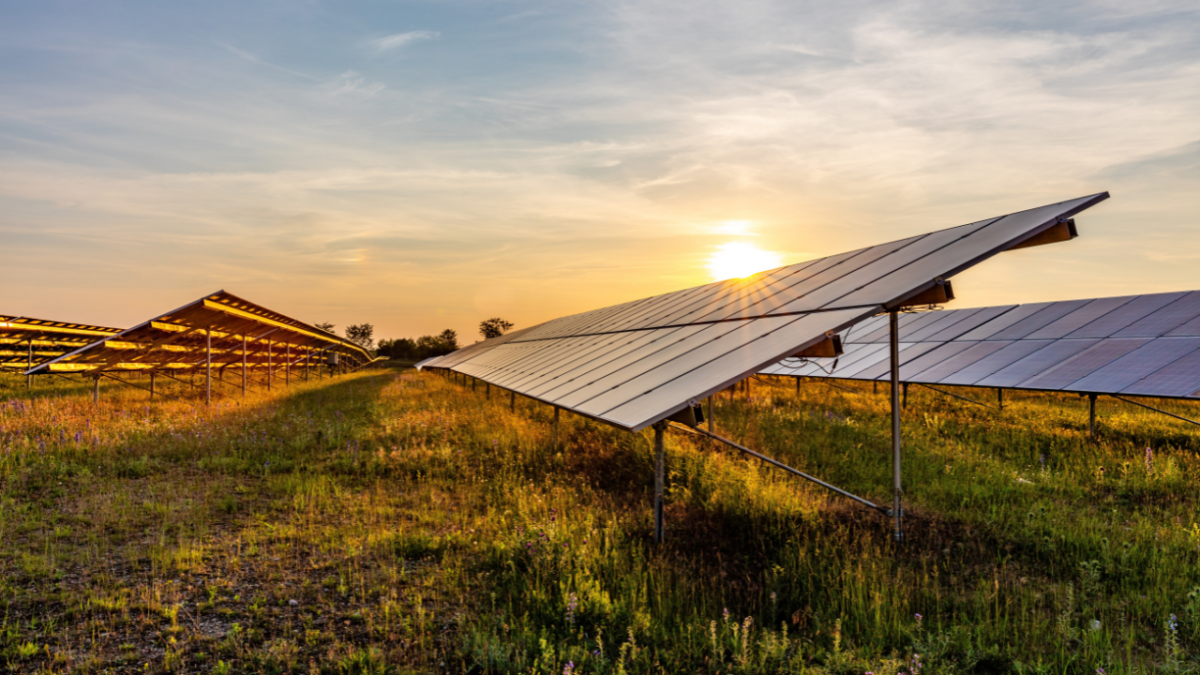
(1088, 361)
(1137, 365)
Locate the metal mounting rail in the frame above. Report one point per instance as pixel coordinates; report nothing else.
(781, 465)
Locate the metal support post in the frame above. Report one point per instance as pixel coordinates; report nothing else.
(797, 387)
(710, 413)
(270, 371)
(904, 389)
(747, 385)
(29, 378)
(208, 366)
(1000, 398)
(1092, 416)
(472, 384)
(897, 512)
(659, 481)
(875, 387)
(512, 401)
(96, 391)
(243, 365)
(152, 384)
(488, 389)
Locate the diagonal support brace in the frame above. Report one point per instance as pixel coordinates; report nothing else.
(963, 398)
(785, 467)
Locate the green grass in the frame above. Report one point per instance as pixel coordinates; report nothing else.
(393, 521)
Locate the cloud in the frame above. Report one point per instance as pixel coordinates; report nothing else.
(254, 59)
(398, 40)
(636, 131)
(352, 83)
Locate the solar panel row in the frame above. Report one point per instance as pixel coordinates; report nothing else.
(636, 363)
(1140, 345)
(219, 331)
(26, 342)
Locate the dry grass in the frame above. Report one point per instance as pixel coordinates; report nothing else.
(391, 521)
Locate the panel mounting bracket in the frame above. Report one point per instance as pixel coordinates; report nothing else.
(829, 348)
(1063, 230)
(939, 294)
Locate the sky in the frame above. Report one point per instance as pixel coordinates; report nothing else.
(428, 165)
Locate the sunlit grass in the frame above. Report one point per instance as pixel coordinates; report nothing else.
(391, 521)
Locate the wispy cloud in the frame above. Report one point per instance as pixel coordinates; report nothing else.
(254, 59)
(398, 40)
(352, 83)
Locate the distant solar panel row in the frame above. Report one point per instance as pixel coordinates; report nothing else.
(636, 363)
(26, 342)
(220, 329)
(1138, 345)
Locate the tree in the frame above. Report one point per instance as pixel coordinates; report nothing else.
(424, 347)
(327, 327)
(448, 340)
(494, 327)
(402, 348)
(362, 334)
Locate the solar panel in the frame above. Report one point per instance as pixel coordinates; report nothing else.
(242, 332)
(1079, 318)
(859, 331)
(975, 320)
(882, 368)
(1085, 362)
(1136, 365)
(974, 352)
(916, 364)
(908, 322)
(989, 329)
(962, 347)
(1008, 354)
(845, 363)
(26, 342)
(1176, 379)
(1125, 315)
(1047, 357)
(878, 355)
(947, 320)
(856, 359)
(1164, 320)
(635, 363)
(1049, 314)
(623, 400)
(1189, 329)
(809, 290)
(975, 241)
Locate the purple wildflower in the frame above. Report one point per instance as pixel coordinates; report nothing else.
(572, 605)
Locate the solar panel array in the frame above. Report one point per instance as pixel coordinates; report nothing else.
(26, 342)
(1137, 345)
(221, 326)
(633, 364)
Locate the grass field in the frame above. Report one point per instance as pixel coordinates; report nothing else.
(392, 521)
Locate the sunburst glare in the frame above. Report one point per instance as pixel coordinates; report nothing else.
(737, 259)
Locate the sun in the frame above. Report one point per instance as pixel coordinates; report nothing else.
(736, 260)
